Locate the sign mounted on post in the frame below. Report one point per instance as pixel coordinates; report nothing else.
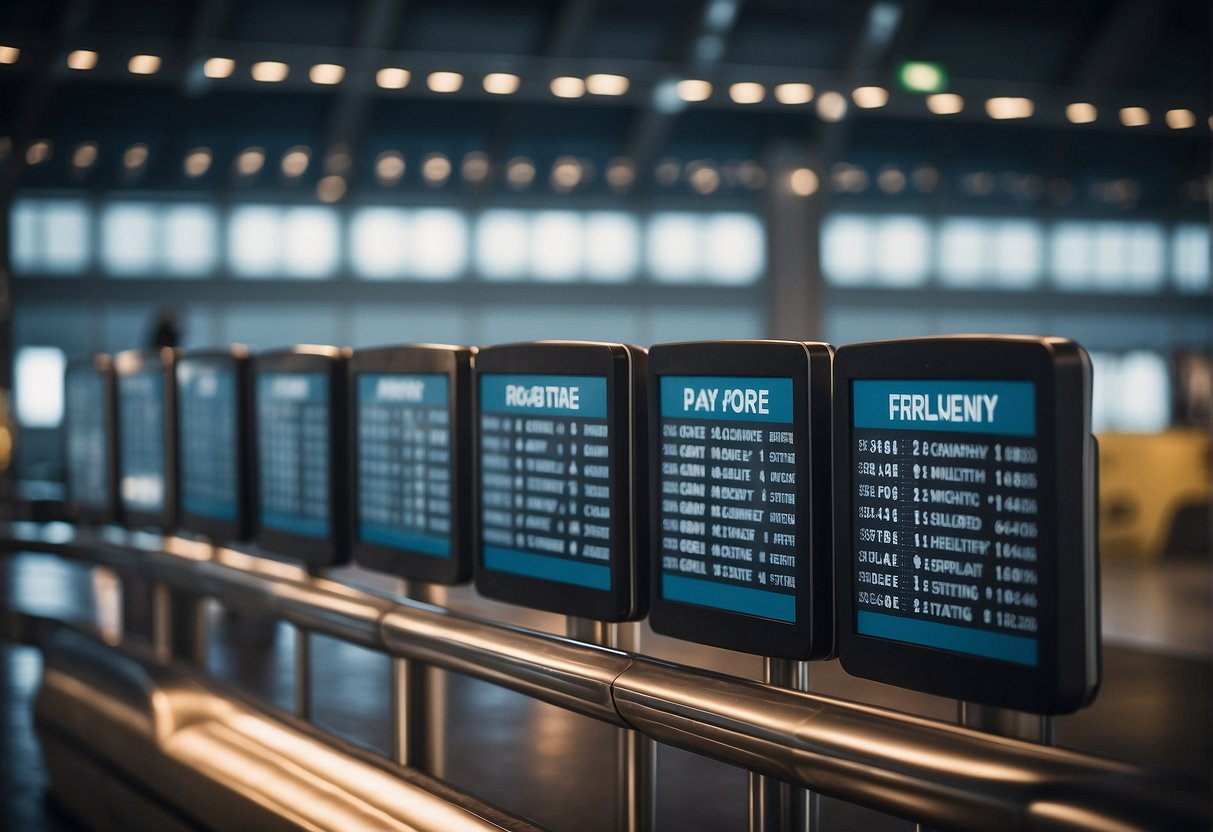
(301, 463)
(560, 485)
(410, 438)
(965, 499)
(147, 437)
(90, 440)
(739, 438)
(214, 444)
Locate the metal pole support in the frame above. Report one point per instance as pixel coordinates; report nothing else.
(776, 806)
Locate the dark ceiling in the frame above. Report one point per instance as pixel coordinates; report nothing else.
(1114, 53)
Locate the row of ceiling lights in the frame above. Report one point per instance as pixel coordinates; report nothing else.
(831, 105)
(569, 172)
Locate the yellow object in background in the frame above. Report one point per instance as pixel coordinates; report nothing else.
(1145, 480)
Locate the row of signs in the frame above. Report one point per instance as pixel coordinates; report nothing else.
(922, 509)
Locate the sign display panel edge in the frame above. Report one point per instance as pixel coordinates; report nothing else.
(739, 492)
(147, 437)
(964, 494)
(410, 470)
(559, 447)
(90, 450)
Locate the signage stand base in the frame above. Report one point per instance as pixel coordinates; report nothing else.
(776, 806)
(412, 730)
(636, 754)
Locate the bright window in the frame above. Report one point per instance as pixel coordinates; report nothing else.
(903, 251)
(1190, 258)
(846, 249)
(255, 241)
(673, 247)
(129, 238)
(1018, 253)
(963, 244)
(612, 246)
(38, 385)
(1144, 400)
(1072, 255)
(379, 243)
(50, 236)
(191, 240)
(735, 246)
(311, 242)
(440, 244)
(503, 245)
(557, 245)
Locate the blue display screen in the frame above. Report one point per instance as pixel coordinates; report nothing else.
(546, 468)
(141, 440)
(404, 462)
(209, 439)
(293, 450)
(729, 494)
(946, 525)
(86, 423)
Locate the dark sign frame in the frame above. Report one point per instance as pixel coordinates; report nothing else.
(455, 363)
(332, 549)
(808, 365)
(1067, 674)
(624, 368)
(236, 359)
(134, 362)
(102, 365)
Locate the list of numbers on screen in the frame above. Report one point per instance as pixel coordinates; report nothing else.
(141, 410)
(728, 496)
(87, 442)
(293, 430)
(404, 462)
(545, 462)
(209, 441)
(946, 520)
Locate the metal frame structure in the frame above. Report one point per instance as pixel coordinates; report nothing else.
(938, 774)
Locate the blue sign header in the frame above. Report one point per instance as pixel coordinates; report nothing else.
(996, 407)
(424, 390)
(728, 398)
(546, 395)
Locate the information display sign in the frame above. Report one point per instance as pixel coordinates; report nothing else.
(965, 502)
(739, 433)
(90, 440)
(301, 454)
(214, 443)
(147, 438)
(561, 508)
(411, 461)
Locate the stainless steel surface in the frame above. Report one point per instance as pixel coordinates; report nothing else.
(303, 674)
(776, 806)
(1004, 722)
(940, 774)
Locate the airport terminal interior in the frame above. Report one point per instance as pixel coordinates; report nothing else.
(532, 414)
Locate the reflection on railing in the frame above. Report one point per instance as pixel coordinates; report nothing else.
(937, 774)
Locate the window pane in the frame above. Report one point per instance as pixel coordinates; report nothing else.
(191, 240)
(502, 245)
(379, 243)
(1072, 255)
(736, 248)
(1111, 255)
(38, 386)
(1018, 253)
(903, 251)
(1104, 391)
(1144, 265)
(557, 243)
(1190, 258)
(128, 238)
(846, 249)
(255, 241)
(65, 236)
(24, 227)
(612, 246)
(673, 247)
(963, 248)
(1144, 394)
(311, 242)
(440, 243)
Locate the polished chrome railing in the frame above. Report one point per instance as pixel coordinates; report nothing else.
(938, 774)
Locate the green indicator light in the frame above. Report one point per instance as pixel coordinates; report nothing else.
(922, 76)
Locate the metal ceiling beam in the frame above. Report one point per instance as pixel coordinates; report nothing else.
(1121, 43)
(707, 32)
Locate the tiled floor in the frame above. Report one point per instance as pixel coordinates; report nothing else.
(557, 768)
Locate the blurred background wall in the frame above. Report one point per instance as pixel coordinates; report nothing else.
(281, 171)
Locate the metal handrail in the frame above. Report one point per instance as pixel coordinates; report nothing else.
(939, 774)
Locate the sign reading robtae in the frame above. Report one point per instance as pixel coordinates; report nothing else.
(965, 492)
(560, 509)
